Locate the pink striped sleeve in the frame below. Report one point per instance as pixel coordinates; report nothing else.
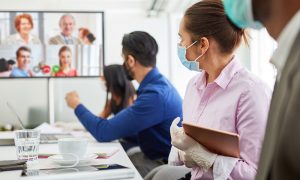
(252, 113)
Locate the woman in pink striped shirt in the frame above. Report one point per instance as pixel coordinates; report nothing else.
(224, 96)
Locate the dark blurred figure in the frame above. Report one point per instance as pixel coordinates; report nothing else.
(85, 36)
(122, 95)
(279, 158)
(121, 89)
(6, 67)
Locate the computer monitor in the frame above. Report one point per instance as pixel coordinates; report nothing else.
(44, 44)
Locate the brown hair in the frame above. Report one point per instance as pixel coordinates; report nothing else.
(63, 49)
(85, 31)
(207, 18)
(22, 48)
(22, 16)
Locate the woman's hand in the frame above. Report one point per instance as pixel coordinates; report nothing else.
(179, 139)
(192, 153)
(186, 159)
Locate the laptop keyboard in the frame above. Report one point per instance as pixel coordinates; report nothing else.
(52, 138)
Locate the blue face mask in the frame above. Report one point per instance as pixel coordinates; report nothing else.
(241, 14)
(191, 65)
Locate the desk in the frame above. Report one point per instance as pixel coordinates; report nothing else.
(9, 153)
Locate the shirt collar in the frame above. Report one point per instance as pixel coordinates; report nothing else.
(66, 38)
(24, 72)
(18, 37)
(224, 77)
(151, 75)
(285, 42)
(201, 81)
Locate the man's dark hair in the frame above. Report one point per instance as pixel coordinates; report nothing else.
(142, 46)
(22, 48)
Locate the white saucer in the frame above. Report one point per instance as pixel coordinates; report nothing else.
(59, 159)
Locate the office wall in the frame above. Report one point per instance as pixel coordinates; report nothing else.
(117, 22)
(29, 98)
(89, 90)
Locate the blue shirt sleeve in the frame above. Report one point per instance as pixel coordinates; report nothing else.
(147, 111)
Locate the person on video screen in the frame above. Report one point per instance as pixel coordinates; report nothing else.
(85, 36)
(6, 67)
(66, 24)
(10, 64)
(24, 26)
(65, 61)
(23, 55)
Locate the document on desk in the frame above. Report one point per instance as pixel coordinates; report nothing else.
(103, 152)
(107, 152)
(48, 129)
(99, 171)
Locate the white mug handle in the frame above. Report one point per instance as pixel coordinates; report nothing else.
(73, 165)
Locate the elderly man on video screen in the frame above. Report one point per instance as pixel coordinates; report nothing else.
(66, 24)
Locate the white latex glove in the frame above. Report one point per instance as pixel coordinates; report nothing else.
(187, 160)
(192, 149)
(201, 156)
(179, 139)
(174, 159)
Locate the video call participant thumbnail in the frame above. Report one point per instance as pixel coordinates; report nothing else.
(23, 55)
(24, 26)
(65, 62)
(66, 24)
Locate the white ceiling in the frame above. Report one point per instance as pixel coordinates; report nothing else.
(159, 6)
(142, 5)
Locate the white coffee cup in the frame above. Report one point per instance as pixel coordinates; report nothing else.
(72, 148)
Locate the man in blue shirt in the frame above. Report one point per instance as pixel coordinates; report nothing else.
(152, 113)
(23, 65)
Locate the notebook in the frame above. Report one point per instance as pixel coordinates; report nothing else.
(11, 165)
(216, 141)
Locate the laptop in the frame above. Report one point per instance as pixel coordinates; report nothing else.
(7, 138)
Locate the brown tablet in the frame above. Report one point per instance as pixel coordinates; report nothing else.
(216, 141)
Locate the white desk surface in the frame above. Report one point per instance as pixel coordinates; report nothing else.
(9, 153)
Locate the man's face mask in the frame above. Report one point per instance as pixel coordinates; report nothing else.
(240, 12)
(128, 71)
(191, 65)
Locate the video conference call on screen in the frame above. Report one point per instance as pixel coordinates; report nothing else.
(51, 44)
